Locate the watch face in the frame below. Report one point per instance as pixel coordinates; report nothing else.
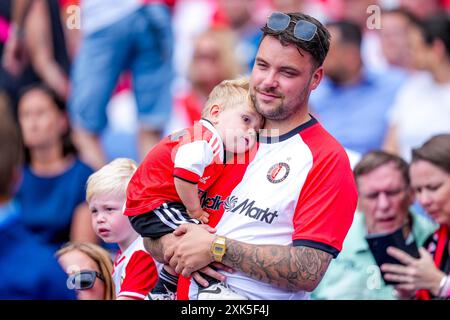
(219, 250)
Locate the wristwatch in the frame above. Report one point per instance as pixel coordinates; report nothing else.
(218, 248)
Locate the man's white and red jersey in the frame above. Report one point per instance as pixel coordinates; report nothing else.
(135, 272)
(194, 155)
(297, 189)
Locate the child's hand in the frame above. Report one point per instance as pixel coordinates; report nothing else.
(199, 214)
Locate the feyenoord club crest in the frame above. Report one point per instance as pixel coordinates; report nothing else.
(278, 172)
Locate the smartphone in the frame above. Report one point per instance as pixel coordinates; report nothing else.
(379, 243)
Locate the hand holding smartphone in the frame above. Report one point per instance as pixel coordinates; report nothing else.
(378, 244)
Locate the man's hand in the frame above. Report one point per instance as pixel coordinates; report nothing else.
(192, 251)
(156, 247)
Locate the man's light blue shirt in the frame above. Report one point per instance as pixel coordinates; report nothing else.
(356, 115)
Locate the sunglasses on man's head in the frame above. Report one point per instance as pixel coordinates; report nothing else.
(83, 280)
(303, 30)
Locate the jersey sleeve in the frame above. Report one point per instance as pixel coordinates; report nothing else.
(191, 160)
(140, 276)
(327, 203)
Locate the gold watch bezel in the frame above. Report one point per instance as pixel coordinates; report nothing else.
(218, 248)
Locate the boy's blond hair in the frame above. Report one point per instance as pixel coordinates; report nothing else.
(228, 94)
(112, 178)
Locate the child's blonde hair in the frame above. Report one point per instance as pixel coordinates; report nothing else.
(228, 94)
(112, 178)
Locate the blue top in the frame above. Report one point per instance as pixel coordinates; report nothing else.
(28, 270)
(356, 115)
(48, 203)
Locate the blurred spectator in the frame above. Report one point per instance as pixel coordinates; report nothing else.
(213, 61)
(120, 35)
(52, 191)
(316, 8)
(397, 27)
(46, 45)
(71, 19)
(89, 268)
(423, 9)
(352, 102)
(384, 201)
(14, 57)
(306, 6)
(134, 272)
(430, 179)
(361, 13)
(187, 26)
(422, 107)
(28, 269)
(240, 17)
(36, 49)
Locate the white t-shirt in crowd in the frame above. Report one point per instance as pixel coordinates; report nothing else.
(98, 14)
(421, 110)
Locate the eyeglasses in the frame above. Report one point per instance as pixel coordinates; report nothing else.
(83, 280)
(303, 30)
(387, 193)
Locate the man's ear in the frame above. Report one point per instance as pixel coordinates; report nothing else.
(316, 78)
(214, 112)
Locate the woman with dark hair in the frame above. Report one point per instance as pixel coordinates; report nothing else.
(428, 277)
(52, 193)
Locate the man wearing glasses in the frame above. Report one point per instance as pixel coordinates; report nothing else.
(385, 197)
(281, 216)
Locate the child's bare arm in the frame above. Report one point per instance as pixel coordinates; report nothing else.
(188, 194)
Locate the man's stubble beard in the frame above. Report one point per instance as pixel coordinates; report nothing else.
(281, 112)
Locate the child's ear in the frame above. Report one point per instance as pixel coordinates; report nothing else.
(214, 113)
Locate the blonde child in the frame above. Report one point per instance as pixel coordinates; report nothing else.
(135, 272)
(164, 191)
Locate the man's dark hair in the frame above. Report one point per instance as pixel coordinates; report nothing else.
(375, 159)
(438, 27)
(318, 46)
(349, 31)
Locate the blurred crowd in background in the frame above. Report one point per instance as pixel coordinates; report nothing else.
(90, 81)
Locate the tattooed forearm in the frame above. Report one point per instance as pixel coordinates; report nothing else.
(156, 246)
(293, 268)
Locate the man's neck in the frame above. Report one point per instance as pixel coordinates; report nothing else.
(275, 128)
